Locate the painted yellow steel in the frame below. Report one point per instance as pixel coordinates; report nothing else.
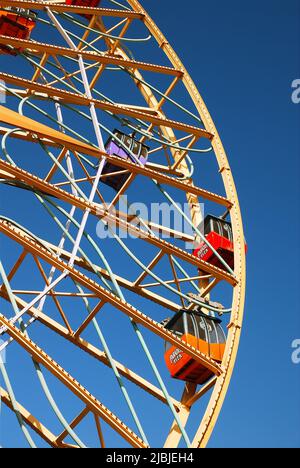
(59, 7)
(18, 174)
(87, 398)
(98, 58)
(155, 116)
(118, 109)
(89, 348)
(36, 249)
(220, 389)
(33, 422)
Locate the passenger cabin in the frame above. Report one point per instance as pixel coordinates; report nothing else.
(218, 233)
(117, 176)
(84, 3)
(201, 331)
(17, 23)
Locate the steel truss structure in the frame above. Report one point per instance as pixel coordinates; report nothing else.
(61, 286)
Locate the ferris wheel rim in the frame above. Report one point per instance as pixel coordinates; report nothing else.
(221, 382)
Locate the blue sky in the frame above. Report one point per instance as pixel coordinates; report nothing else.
(243, 58)
(248, 57)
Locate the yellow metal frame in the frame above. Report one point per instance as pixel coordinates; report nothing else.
(154, 115)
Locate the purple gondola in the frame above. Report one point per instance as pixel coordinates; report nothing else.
(113, 148)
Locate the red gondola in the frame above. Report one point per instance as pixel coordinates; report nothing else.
(17, 23)
(201, 331)
(84, 3)
(218, 232)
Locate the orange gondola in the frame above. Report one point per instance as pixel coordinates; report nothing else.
(201, 331)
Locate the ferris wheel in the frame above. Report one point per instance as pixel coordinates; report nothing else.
(122, 272)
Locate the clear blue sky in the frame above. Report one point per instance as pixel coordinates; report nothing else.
(243, 58)
(247, 59)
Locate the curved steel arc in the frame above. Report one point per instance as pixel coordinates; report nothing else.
(220, 389)
(147, 118)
